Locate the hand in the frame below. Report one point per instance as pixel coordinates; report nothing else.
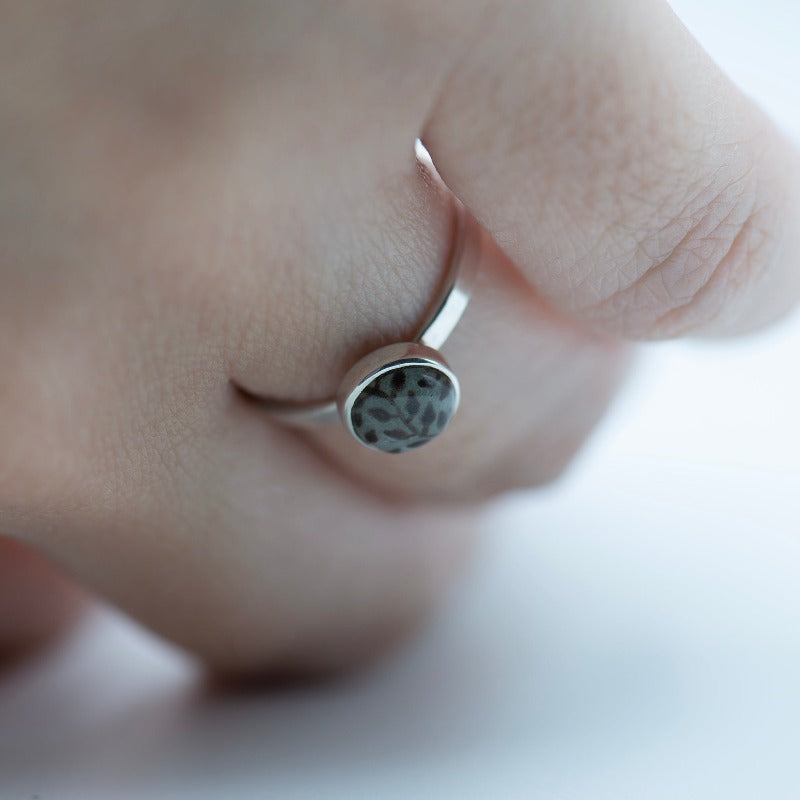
(198, 199)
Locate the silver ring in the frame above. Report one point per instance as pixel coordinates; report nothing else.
(402, 395)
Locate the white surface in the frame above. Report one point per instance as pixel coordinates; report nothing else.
(633, 633)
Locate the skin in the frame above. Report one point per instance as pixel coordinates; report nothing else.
(202, 198)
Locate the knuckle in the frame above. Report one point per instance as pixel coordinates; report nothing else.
(697, 253)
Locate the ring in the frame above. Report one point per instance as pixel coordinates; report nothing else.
(401, 395)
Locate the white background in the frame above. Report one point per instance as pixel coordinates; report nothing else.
(632, 633)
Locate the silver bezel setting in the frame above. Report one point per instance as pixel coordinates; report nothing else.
(379, 362)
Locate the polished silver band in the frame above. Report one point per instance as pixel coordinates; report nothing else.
(441, 317)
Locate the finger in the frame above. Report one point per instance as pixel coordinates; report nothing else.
(166, 493)
(245, 247)
(36, 601)
(292, 238)
(629, 180)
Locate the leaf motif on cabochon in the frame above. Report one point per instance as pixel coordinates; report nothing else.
(398, 380)
(396, 433)
(412, 406)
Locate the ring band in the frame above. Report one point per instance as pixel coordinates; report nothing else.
(402, 395)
